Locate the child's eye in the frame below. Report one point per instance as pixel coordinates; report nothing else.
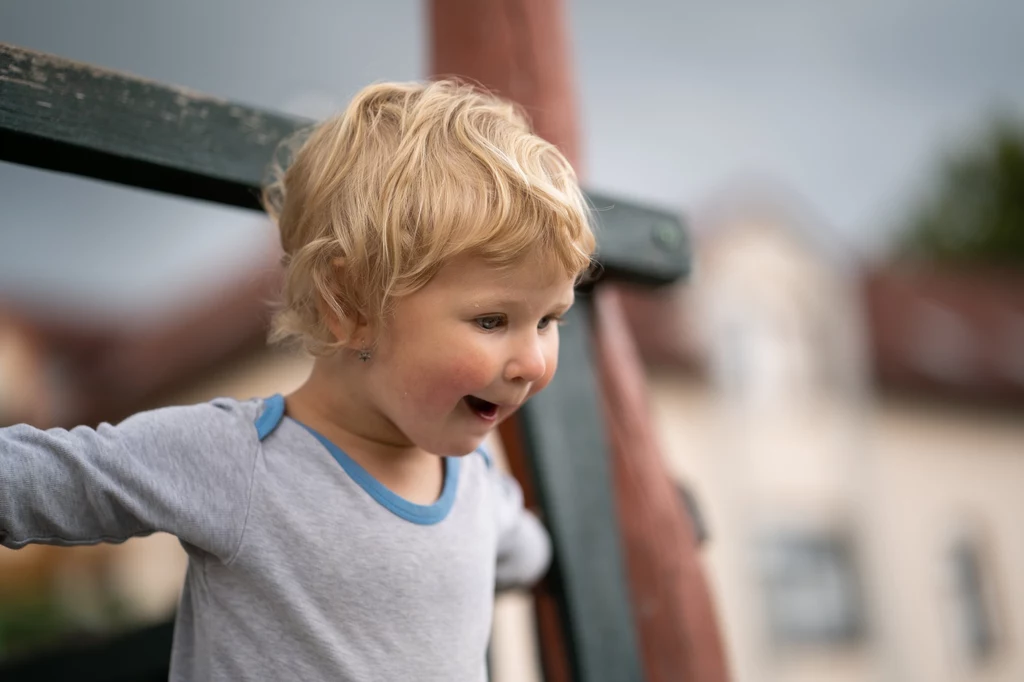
(490, 322)
(546, 322)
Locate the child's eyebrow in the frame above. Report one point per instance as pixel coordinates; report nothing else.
(505, 302)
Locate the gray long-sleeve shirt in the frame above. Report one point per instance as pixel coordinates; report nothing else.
(301, 565)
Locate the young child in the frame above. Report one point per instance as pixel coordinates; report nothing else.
(354, 529)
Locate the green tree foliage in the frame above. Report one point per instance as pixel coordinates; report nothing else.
(974, 213)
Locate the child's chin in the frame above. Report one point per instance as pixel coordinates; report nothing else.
(461, 449)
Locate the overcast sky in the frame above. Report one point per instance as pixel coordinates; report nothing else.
(846, 103)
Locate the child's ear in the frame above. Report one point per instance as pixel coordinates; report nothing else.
(361, 332)
(350, 327)
(340, 326)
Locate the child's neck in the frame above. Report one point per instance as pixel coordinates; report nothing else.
(367, 437)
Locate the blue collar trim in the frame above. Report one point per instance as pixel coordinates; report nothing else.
(424, 515)
(273, 412)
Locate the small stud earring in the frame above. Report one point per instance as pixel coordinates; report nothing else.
(364, 354)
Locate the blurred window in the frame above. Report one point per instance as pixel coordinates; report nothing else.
(811, 590)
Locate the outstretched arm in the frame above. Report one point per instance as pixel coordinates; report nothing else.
(182, 470)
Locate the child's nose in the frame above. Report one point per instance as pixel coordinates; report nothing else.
(528, 363)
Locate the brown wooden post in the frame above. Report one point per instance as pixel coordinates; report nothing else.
(519, 48)
(672, 606)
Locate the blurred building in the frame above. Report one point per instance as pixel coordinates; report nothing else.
(855, 436)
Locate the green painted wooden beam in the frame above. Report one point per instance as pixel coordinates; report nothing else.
(65, 116)
(564, 435)
(71, 117)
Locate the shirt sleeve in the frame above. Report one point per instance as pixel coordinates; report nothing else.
(182, 470)
(524, 546)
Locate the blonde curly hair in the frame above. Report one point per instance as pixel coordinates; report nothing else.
(373, 202)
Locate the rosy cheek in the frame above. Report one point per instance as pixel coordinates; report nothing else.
(426, 381)
(464, 375)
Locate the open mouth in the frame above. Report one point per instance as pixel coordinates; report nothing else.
(482, 408)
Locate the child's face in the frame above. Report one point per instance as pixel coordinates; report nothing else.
(463, 353)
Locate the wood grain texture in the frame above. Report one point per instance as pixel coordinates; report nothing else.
(66, 116)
